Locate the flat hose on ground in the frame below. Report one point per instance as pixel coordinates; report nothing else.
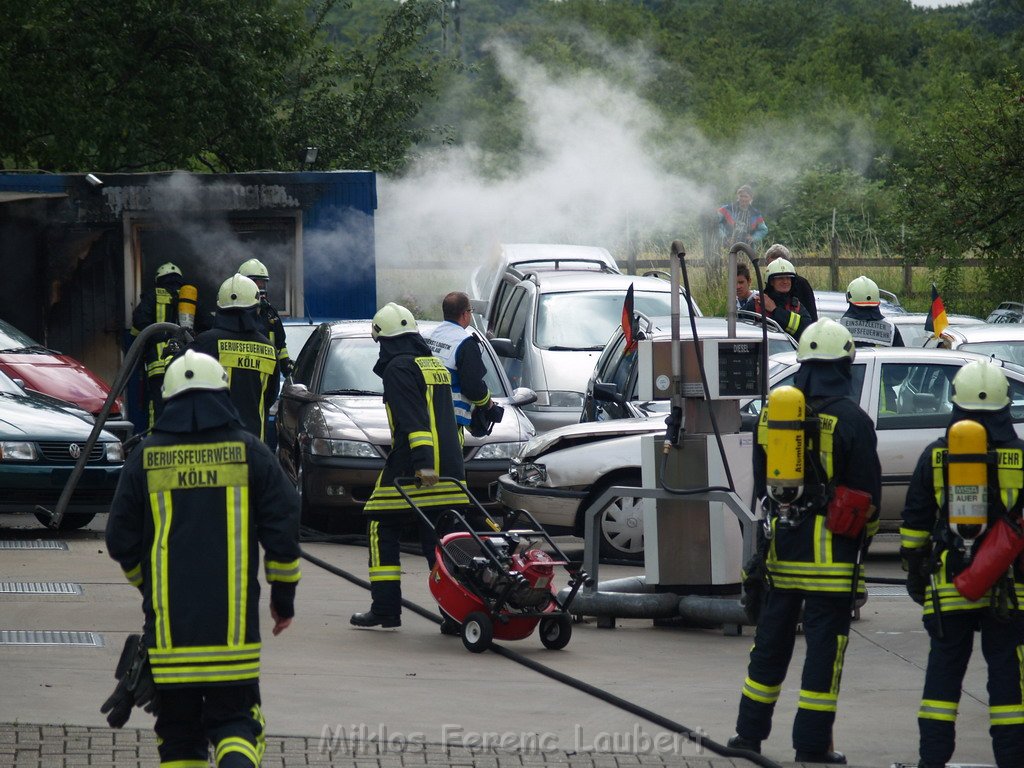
(610, 698)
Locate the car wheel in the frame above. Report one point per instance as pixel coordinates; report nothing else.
(308, 516)
(621, 526)
(71, 521)
(477, 632)
(556, 631)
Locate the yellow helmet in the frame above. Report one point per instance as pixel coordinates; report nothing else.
(167, 268)
(981, 386)
(392, 320)
(254, 268)
(826, 340)
(862, 292)
(191, 371)
(238, 292)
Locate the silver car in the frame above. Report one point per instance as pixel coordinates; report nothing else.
(1003, 341)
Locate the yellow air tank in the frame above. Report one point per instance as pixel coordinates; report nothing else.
(187, 299)
(967, 492)
(785, 444)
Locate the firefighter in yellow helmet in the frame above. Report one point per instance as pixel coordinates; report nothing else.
(195, 503)
(864, 320)
(157, 305)
(960, 544)
(237, 343)
(425, 444)
(821, 510)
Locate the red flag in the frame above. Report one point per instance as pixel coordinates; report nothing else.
(936, 322)
(629, 322)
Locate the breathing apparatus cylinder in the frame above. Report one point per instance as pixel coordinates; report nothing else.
(967, 484)
(786, 443)
(187, 299)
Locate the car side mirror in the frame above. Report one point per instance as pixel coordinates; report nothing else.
(504, 348)
(606, 393)
(522, 396)
(748, 421)
(299, 393)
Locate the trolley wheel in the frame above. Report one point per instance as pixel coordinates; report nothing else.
(477, 632)
(556, 631)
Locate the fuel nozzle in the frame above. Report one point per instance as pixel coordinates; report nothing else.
(673, 428)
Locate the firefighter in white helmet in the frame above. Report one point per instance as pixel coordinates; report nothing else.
(863, 318)
(960, 543)
(270, 320)
(816, 469)
(778, 299)
(248, 356)
(194, 504)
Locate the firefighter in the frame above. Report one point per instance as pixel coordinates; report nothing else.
(249, 357)
(270, 321)
(424, 444)
(159, 305)
(964, 494)
(459, 350)
(864, 320)
(194, 504)
(821, 512)
(779, 302)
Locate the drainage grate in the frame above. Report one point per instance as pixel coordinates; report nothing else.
(49, 637)
(32, 544)
(887, 590)
(40, 588)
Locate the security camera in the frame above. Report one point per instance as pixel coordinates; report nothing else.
(94, 180)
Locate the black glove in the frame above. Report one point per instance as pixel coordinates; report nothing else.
(482, 420)
(118, 706)
(755, 578)
(915, 563)
(917, 583)
(135, 684)
(287, 366)
(282, 598)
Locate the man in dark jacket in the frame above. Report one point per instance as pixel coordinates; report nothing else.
(802, 289)
(779, 302)
(249, 357)
(812, 571)
(864, 320)
(194, 504)
(935, 549)
(424, 444)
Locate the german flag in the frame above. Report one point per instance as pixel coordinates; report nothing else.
(630, 326)
(936, 322)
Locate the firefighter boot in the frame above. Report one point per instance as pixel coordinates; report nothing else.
(829, 757)
(738, 742)
(371, 619)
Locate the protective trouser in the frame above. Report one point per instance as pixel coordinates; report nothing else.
(826, 620)
(1002, 643)
(385, 550)
(228, 717)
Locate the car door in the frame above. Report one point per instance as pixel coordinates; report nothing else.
(288, 410)
(614, 371)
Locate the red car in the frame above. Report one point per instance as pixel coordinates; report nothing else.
(44, 370)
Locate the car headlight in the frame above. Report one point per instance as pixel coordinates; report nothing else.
(114, 452)
(498, 450)
(12, 451)
(350, 449)
(560, 399)
(528, 473)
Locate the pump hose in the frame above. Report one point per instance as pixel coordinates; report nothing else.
(695, 736)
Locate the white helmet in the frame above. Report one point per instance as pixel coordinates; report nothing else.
(167, 268)
(392, 320)
(254, 268)
(191, 371)
(862, 292)
(779, 268)
(981, 386)
(826, 340)
(238, 292)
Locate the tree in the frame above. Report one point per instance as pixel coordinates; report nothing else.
(220, 85)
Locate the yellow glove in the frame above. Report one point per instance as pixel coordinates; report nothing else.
(426, 477)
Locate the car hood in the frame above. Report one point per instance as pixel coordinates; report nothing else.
(59, 376)
(568, 371)
(363, 417)
(21, 417)
(580, 434)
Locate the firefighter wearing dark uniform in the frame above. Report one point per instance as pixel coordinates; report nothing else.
(864, 320)
(424, 444)
(459, 350)
(782, 306)
(937, 549)
(810, 567)
(157, 306)
(247, 355)
(194, 504)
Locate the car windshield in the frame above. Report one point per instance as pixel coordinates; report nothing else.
(1010, 351)
(11, 338)
(584, 320)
